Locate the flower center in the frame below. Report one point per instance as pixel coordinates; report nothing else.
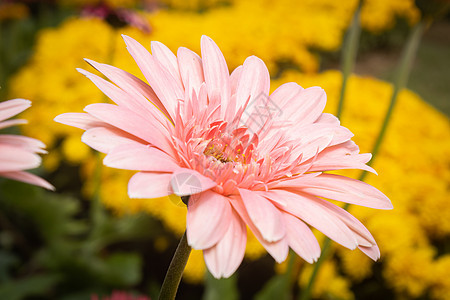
(224, 151)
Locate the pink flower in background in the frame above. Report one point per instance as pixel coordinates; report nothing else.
(117, 15)
(19, 153)
(120, 295)
(245, 158)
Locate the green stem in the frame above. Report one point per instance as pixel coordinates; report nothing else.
(289, 277)
(306, 294)
(348, 58)
(175, 271)
(401, 79)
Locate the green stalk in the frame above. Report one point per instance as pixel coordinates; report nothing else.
(400, 81)
(175, 272)
(349, 51)
(348, 58)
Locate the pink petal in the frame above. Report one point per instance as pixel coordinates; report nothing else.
(301, 239)
(311, 141)
(235, 78)
(191, 69)
(27, 178)
(308, 209)
(306, 107)
(278, 250)
(140, 92)
(217, 76)
(208, 219)
(127, 120)
(9, 123)
(254, 83)
(79, 120)
(327, 162)
(139, 157)
(187, 182)
(17, 158)
(30, 144)
(104, 139)
(372, 252)
(224, 258)
(345, 189)
(167, 59)
(165, 86)
(286, 95)
(149, 185)
(123, 99)
(266, 217)
(13, 107)
(362, 235)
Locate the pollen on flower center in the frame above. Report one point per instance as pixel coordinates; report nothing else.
(223, 152)
(227, 146)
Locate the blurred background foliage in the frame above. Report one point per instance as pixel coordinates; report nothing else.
(89, 238)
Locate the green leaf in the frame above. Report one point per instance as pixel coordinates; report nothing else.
(48, 214)
(121, 269)
(7, 260)
(275, 288)
(31, 286)
(220, 289)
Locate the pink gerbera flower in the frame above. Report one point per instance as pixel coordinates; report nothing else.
(245, 158)
(19, 153)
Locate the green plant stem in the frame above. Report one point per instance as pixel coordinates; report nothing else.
(175, 272)
(400, 81)
(348, 58)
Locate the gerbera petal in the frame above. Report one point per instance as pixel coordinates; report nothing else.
(191, 68)
(278, 250)
(254, 82)
(140, 92)
(80, 120)
(301, 239)
(9, 123)
(126, 100)
(149, 185)
(286, 94)
(187, 182)
(28, 178)
(14, 158)
(372, 252)
(167, 59)
(362, 235)
(161, 81)
(139, 157)
(217, 76)
(208, 219)
(310, 107)
(24, 142)
(326, 162)
(235, 78)
(343, 189)
(127, 120)
(308, 209)
(104, 139)
(224, 258)
(266, 217)
(13, 107)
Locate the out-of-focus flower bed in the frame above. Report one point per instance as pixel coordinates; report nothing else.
(291, 37)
